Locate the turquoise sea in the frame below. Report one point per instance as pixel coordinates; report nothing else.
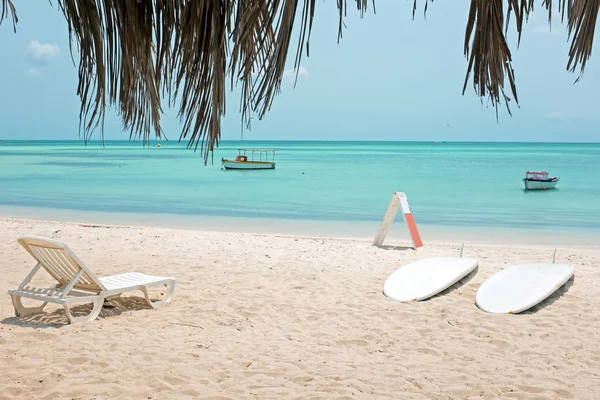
(474, 187)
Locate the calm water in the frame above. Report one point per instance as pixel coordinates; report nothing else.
(447, 184)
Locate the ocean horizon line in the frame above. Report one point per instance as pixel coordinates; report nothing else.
(99, 141)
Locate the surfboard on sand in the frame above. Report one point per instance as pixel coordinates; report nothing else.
(424, 278)
(520, 287)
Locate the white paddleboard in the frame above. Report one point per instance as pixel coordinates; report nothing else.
(427, 277)
(517, 288)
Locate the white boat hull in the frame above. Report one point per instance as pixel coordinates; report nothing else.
(248, 165)
(539, 185)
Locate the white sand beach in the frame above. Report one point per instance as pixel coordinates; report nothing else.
(282, 317)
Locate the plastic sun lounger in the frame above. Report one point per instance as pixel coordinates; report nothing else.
(77, 283)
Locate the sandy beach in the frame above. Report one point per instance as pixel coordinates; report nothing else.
(282, 317)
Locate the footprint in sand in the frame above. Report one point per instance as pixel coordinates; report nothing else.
(351, 342)
(77, 360)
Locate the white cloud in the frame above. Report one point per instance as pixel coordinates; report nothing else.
(289, 75)
(42, 52)
(33, 72)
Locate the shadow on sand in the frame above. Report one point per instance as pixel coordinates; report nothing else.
(391, 247)
(457, 285)
(550, 299)
(57, 318)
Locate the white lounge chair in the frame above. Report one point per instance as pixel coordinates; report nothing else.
(76, 282)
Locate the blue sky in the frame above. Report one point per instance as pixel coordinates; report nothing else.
(389, 78)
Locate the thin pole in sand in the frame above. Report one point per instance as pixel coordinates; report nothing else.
(554, 257)
(461, 249)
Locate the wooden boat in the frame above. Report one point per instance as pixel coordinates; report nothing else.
(242, 161)
(539, 181)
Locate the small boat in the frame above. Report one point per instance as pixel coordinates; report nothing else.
(242, 161)
(539, 181)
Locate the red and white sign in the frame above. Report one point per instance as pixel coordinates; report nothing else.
(398, 199)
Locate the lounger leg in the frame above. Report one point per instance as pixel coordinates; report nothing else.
(21, 310)
(166, 300)
(91, 316)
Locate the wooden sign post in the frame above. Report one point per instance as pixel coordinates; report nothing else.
(398, 199)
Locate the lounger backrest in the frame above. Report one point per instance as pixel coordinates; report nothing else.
(60, 262)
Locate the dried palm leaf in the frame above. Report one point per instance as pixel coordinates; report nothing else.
(8, 8)
(489, 56)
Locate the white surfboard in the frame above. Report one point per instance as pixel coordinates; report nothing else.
(520, 287)
(427, 277)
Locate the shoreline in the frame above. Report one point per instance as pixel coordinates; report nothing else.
(358, 230)
(539, 252)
